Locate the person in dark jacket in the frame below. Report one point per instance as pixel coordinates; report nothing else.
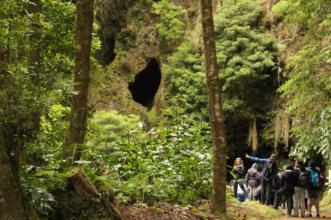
(253, 180)
(239, 171)
(269, 172)
(288, 182)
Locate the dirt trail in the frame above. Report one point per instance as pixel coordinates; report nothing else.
(324, 215)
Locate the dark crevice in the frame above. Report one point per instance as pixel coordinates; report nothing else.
(146, 84)
(106, 53)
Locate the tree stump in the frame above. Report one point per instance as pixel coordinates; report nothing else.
(84, 187)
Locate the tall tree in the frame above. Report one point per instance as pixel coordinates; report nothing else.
(216, 117)
(34, 8)
(79, 108)
(11, 205)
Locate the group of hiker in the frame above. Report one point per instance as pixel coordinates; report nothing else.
(296, 186)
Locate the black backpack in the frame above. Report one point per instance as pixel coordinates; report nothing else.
(304, 179)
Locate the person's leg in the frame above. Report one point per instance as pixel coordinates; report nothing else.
(235, 189)
(272, 197)
(310, 204)
(289, 200)
(257, 193)
(251, 193)
(241, 184)
(301, 198)
(268, 194)
(317, 205)
(263, 192)
(278, 197)
(296, 199)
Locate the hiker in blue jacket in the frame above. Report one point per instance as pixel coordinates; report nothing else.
(269, 172)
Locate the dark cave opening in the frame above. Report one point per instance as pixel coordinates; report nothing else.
(146, 84)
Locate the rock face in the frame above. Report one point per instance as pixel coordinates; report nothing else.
(132, 53)
(111, 16)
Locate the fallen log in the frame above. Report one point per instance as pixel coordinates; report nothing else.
(84, 187)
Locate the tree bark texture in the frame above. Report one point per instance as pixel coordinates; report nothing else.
(216, 117)
(84, 187)
(34, 8)
(11, 205)
(79, 108)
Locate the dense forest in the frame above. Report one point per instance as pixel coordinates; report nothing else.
(136, 109)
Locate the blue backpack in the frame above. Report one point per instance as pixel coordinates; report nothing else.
(314, 178)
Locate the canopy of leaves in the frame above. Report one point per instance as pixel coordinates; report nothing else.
(307, 91)
(18, 94)
(247, 59)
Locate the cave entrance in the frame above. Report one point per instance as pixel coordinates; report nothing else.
(146, 84)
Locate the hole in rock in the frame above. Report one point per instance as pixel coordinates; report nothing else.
(146, 84)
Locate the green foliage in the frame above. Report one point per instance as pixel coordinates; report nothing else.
(169, 24)
(41, 200)
(308, 15)
(108, 127)
(53, 130)
(171, 164)
(185, 75)
(247, 58)
(20, 97)
(307, 91)
(42, 173)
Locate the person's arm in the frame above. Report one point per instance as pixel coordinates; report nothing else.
(256, 159)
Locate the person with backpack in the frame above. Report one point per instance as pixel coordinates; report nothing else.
(269, 172)
(300, 188)
(314, 188)
(239, 171)
(288, 182)
(253, 180)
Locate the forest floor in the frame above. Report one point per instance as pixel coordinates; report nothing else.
(166, 211)
(240, 211)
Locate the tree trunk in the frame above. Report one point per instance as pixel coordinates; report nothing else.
(79, 109)
(11, 205)
(216, 117)
(34, 8)
(85, 188)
